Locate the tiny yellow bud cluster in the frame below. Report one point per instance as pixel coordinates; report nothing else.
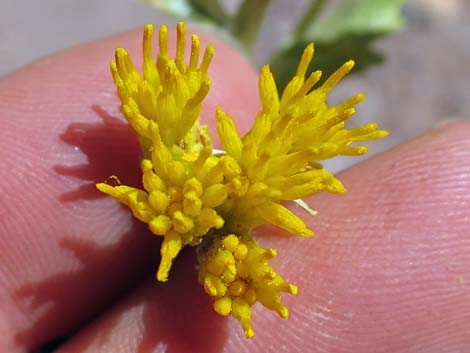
(179, 200)
(236, 273)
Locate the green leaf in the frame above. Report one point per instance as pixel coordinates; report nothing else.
(206, 10)
(346, 33)
(329, 56)
(358, 17)
(211, 9)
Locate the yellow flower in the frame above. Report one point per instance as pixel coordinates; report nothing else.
(192, 196)
(182, 180)
(179, 199)
(281, 153)
(169, 93)
(235, 272)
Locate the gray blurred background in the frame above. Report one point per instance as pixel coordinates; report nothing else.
(425, 80)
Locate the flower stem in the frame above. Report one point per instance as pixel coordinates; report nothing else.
(308, 17)
(248, 20)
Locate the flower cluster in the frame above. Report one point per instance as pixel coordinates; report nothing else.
(236, 273)
(193, 196)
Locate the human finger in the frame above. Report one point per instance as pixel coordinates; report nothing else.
(67, 250)
(388, 271)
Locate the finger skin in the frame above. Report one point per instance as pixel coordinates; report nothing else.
(387, 272)
(66, 251)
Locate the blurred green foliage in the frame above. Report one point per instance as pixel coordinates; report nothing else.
(199, 10)
(346, 31)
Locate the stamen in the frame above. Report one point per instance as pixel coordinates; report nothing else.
(194, 57)
(309, 83)
(180, 44)
(163, 41)
(305, 61)
(147, 42)
(206, 61)
(338, 75)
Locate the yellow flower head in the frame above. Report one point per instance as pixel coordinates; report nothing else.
(179, 199)
(280, 155)
(169, 93)
(236, 273)
(192, 196)
(182, 180)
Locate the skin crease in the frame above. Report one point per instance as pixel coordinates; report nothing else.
(387, 272)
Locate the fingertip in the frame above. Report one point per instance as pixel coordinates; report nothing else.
(390, 255)
(62, 133)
